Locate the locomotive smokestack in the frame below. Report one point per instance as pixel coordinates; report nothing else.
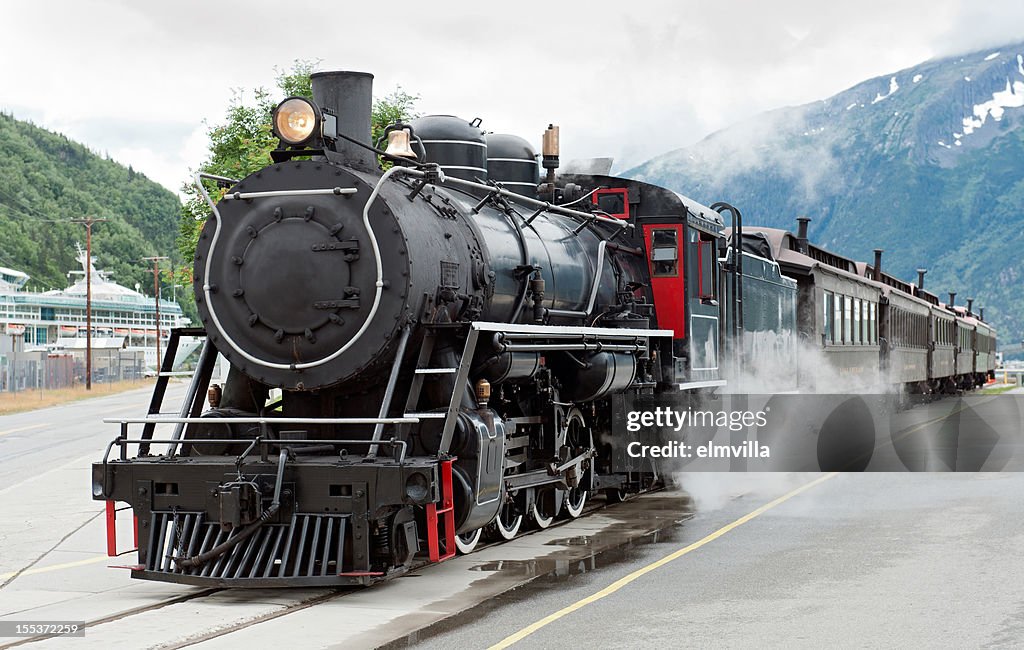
(970, 304)
(877, 274)
(349, 95)
(952, 298)
(801, 233)
(920, 279)
(981, 313)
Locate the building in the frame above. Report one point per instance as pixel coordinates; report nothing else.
(53, 321)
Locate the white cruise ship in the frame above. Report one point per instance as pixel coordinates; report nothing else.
(121, 317)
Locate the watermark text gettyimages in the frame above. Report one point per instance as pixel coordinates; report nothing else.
(824, 432)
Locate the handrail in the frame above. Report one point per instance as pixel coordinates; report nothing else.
(437, 177)
(123, 442)
(259, 420)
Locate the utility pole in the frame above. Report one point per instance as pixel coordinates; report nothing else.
(88, 222)
(156, 297)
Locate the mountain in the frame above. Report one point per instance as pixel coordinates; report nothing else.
(46, 180)
(927, 163)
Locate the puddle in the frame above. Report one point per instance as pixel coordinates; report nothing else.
(607, 549)
(634, 526)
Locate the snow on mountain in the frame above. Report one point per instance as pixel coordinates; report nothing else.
(926, 162)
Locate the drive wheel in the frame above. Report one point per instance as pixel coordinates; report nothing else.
(506, 525)
(466, 543)
(577, 440)
(575, 500)
(545, 507)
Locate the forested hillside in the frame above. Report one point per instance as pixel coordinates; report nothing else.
(46, 180)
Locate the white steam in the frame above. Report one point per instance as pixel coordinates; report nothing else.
(714, 490)
(786, 366)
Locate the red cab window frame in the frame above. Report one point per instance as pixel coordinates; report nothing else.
(609, 191)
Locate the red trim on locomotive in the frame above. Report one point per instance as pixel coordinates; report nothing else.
(668, 284)
(594, 198)
(111, 529)
(447, 512)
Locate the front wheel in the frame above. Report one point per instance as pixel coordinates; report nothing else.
(617, 495)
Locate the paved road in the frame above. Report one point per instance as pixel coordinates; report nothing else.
(45, 456)
(858, 560)
(33, 441)
(855, 560)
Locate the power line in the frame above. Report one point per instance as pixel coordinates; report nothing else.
(22, 205)
(19, 211)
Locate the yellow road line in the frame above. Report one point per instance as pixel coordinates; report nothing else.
(917, 427)
(58, 567)
(622, 582)
(29, 427)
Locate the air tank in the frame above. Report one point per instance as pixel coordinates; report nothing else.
(456, 145)
(512, 162)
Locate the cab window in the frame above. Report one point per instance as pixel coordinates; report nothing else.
(664, 253)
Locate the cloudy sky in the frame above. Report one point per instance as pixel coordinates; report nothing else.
(632, 79)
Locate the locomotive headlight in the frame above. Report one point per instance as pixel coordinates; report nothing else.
(417, 488)
(296, 120)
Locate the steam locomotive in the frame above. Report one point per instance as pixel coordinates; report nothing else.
(423, 355)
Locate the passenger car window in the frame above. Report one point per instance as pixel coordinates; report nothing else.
(828, 316)
(856, 320)
(847, 319)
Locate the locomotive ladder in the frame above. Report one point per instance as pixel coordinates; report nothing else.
(192, 405)
(422, 370)
(440, 515)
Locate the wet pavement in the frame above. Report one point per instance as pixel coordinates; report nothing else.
(861, 560)
(397, 610)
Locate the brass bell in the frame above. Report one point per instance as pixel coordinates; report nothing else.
(398, 144)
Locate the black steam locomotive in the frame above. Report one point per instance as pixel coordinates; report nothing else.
(427, 354)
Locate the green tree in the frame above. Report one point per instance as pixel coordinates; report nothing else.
(241, 144)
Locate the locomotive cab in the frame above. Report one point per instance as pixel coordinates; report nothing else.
(679, 240)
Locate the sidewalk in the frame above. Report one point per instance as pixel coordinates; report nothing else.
(30, 400)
